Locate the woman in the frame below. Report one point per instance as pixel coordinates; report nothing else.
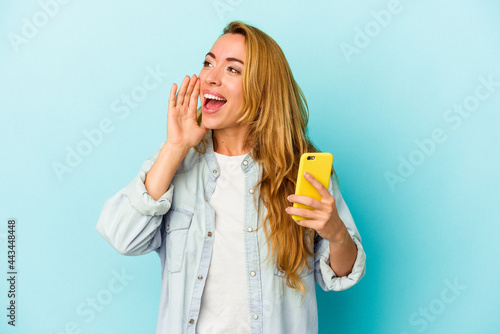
(215, 201)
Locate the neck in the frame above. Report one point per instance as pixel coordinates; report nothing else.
(231, 142)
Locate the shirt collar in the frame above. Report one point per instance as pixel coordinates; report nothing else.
(246, 165)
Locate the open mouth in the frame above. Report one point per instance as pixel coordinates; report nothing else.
(213, 103)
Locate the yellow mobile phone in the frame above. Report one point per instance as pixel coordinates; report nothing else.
(318, 165)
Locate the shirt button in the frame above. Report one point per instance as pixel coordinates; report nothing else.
(214, 171)
(249, 229)
(245, 162)
(251, 191)
(255, 316)
(209, 234)
(168, 227)
(252, 273)
(200, 277)
(191, 321)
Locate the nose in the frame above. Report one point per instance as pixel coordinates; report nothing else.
(213, 76)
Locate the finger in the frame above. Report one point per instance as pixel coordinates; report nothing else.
(306, 200)
(171, 98)
(305, 223)
(193, 101)
(182, 91)
(322, 191)
(192, 83)
(309, 223)
(302, 212)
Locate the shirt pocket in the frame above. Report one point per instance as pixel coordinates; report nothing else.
(177, 226)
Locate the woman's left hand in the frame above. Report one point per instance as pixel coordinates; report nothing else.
(324, 217)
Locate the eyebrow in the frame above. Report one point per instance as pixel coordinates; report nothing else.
(228, 58)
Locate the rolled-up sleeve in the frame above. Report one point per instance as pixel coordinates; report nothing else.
(324, 274)
(130, 220)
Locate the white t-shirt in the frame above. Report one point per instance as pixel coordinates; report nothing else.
(224, 303)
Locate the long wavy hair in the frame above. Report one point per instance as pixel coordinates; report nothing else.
(276, 111)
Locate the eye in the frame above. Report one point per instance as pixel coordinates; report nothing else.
(206, 63)
(233, 70)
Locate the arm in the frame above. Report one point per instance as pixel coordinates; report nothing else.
(130, 220)
(343, 253)
(327, 274)
(337, 237)
(183, 132)
(158, 179)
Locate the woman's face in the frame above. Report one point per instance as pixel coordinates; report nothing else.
(221, 82)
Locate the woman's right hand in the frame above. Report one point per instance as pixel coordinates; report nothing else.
(183, 130)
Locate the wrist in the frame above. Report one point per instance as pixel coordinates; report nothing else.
(341, 238)
(177, 148)
(171, 155)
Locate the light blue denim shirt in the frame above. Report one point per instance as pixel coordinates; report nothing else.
(179, 226)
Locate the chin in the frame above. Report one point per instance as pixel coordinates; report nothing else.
(210, 124)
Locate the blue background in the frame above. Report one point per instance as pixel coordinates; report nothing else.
(436, 226)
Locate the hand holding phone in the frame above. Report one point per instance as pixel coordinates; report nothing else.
(319, 165)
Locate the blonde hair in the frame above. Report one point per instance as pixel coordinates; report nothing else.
(276, 111)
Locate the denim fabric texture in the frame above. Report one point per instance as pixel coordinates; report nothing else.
(179, 227)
